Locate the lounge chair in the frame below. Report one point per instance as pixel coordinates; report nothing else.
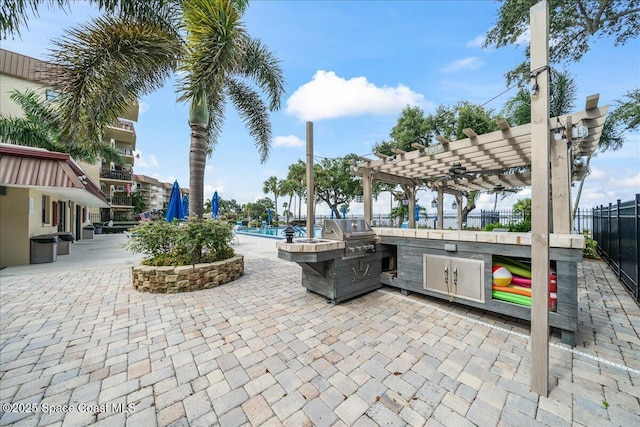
(234, 235)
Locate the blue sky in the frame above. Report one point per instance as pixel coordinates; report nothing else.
(351, 67)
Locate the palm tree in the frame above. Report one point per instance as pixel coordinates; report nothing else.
(272, 185)
(132, 50)
(298, 177)
(40, 127)
(288, 188)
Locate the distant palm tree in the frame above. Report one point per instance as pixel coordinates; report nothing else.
(40, 127)
(100, 67)
(272, 185)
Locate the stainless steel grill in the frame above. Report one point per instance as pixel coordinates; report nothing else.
(359, 237)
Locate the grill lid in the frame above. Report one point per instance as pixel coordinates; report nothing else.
(346, 229)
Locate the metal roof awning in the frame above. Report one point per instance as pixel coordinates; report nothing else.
(50, 172)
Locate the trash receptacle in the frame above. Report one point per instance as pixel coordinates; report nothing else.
(44, 248)
(64, 242)
(87, 231)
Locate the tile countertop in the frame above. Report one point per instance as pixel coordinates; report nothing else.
(303, 245)
(573, 241)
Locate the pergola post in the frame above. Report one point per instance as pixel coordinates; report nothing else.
(540, 170)
(310, 184)
(367, 194)
(561, 181)
(412, 206)
(459, 210)
(440, 208)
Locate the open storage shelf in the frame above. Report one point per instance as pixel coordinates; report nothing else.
(420, 265)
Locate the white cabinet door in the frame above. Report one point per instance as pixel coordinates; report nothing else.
(454, 277)
(436, 274)
(468, 277)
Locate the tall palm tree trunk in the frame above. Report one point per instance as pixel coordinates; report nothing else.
(197, 162)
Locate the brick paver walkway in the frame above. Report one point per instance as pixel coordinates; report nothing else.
(86, 347)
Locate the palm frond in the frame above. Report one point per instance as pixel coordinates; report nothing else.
(216, 101)
(34, 107)
(109, 153)
(254, 114)
(23, 131)
(103, 65)
(214, 35)
(263, 67)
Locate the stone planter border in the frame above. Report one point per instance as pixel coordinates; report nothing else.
(171, 280)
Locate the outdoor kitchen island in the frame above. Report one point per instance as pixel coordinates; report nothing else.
(457, 266)
(445, 264)
(344, 263)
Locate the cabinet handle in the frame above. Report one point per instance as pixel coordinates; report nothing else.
(455, 280)
(446, 282)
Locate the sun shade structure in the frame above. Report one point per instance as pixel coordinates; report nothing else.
(479, 162)
(495, 161)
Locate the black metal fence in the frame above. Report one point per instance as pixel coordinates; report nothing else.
(581, 223)
(616, 229)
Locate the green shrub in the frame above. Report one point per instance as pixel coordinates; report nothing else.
(490, 227)
(521, 227)
(589, 250)
(181, 243)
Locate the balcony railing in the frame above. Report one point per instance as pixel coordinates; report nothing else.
(124, 125)
(120, 201)
(120, 175)
(126, 151)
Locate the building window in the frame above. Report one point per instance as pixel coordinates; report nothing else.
(46, 209)
(52, 95)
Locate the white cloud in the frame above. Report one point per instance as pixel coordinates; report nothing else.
(470, 63)
(218, 185)
(329, 96)
(143, 107)
(165, 178)
(477, 42)
(629, 181)
(288, 141)
(145, 161)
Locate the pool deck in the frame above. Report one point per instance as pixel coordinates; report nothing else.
(78, 340)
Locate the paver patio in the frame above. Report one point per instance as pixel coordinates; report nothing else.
(263, 351)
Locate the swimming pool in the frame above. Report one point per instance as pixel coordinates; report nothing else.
(276, 232)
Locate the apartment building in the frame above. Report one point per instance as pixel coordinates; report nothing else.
(155, 193)
(41, 192)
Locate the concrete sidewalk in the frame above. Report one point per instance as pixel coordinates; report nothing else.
(104, 250)
(78, 341)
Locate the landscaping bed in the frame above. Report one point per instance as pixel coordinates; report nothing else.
(171, 280)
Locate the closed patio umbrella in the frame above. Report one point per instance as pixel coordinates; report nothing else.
(174, 210)
(185, 206)
(215, 205)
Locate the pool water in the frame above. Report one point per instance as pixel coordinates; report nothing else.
(276, 232)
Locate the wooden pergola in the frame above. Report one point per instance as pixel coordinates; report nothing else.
(483, 162)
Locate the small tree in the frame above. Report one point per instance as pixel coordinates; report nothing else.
(523, 207)
(334, 183)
